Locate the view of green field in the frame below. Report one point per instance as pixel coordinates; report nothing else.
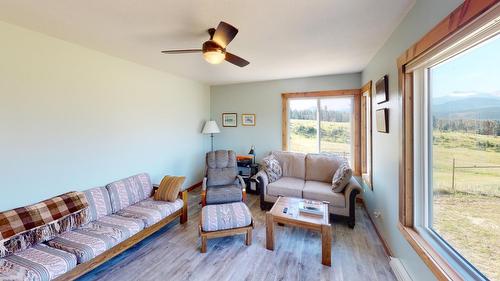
(335, 137)
(467, 215)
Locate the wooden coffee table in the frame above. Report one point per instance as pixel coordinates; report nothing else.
(295, 218)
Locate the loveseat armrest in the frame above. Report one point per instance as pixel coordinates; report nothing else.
(262, 182)
(351, 191)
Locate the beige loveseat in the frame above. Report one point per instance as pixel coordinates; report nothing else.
(309, 176)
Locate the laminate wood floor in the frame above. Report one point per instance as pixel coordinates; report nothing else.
(173, 253)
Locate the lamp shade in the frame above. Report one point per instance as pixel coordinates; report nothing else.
(210, 128)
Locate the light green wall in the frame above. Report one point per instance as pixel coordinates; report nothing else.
(264, 99)
(386, 147)
(73, 118)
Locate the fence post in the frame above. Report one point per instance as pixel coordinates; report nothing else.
(453, 177)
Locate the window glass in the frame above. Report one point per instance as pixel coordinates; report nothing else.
(303, 125)
(464, 155)
(321, 125)
(336, 126)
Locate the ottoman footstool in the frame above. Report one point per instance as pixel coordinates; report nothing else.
(225, 220)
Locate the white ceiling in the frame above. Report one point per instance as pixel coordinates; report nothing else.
(280, 38)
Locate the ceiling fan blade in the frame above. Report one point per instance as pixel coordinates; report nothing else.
(234, 59)
(185, 51)
(224, 34)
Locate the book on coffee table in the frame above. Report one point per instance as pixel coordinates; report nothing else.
(311, 207)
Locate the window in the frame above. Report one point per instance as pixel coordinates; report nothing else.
(450, 196)
(366, 133)
(323, 122)
(329, 131)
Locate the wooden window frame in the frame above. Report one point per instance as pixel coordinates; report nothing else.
(366, 168)
(464, 15)
(355, 93)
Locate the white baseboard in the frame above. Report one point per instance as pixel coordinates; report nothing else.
(399, 270)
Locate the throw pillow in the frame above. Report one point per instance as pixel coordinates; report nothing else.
(341, 177)
(272, 168)
(169, 188)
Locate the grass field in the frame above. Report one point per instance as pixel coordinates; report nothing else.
(335, 137)
(466, 215)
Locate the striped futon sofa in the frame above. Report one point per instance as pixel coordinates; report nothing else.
(119, 215)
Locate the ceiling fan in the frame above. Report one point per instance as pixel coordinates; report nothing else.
(214, 50)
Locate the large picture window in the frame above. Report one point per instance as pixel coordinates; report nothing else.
(450, 196)
(321, 125)
(323, 122)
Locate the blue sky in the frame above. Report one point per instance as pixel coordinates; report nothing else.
(476, 70)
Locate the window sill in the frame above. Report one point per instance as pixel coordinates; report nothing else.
(436, 263)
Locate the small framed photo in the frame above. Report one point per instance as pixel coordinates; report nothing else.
(382, 90)
(383, 120)
(247, 119)
(229, 119)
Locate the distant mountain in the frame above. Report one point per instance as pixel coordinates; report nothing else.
(472, 106)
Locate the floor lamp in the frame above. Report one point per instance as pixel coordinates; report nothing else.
(211, 128)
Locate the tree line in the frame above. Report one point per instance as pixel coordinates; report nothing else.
(482, 127)
(326, 115)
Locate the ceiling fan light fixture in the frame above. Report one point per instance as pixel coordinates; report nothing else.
(214, 56)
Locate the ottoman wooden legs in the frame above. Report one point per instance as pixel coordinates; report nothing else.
(247, 230)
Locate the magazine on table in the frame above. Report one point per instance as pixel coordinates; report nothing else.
(311, 207)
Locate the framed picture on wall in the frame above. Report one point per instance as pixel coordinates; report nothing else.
(383, 120)
(382, 90)
(229, 119)
(247, 119)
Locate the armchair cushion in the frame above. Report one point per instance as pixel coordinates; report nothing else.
(221, 167)
(224, 194)
(272, 168)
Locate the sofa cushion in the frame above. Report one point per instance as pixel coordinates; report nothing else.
(322, 167)
(99, 202)
(341, 177)
(144, 181)
(272, 168)
(128, 191)
(89, 241)
(292, 163)
(24, 227)
(225, 216)
(224, 194)
(129, 226)
(286, 186)
(322, 191)
(151, 211)
(166, 208)
(169, 188)
(221, 167)
(40, 263)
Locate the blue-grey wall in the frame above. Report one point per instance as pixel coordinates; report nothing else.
(264, 99)
(73, 118)
(424, 15)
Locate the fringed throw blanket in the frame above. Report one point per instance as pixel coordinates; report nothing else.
(26, 226)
